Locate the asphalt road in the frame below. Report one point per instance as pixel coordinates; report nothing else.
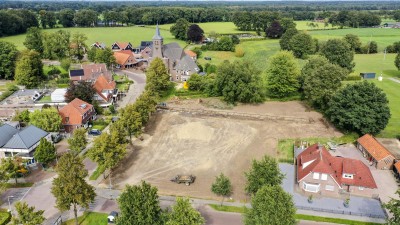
(139, 84)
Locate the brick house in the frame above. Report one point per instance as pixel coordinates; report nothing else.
(120, 46)
(375, 152)
(320, 172)
(106, 91)
(125, 59)
(90, 72)
(77, 114)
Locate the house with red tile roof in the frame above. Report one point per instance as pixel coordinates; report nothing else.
(90, 72)
(106, 91)
(126, 59)
(191, 54)
(375, 152)
(120, 46)
(320, 172)
(77, 114)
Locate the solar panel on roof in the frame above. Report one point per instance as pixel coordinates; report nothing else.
(76, 73)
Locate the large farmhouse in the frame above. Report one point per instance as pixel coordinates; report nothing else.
(320, 172)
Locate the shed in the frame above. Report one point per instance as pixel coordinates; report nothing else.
(368, 75)
(58, 95)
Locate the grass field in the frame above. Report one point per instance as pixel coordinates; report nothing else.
(106, 35)
(89, 218)
(217, 27)
(382, 36)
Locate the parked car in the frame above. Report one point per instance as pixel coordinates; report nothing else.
(56, 138)
(187, 179)
(94, 132)
(207, 58)
(112, 216)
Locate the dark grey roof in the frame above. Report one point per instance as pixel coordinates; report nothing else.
(6, 133)
(76, 73)
(26, 138)
(157, 35)
(173, 51)
(187, 64)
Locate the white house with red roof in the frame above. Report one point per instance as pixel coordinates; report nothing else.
(106, 91)
(320, 172)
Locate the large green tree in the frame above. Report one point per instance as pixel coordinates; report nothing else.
(222, 186)
(86, 18)
(45, 152)
(183, 213)
(157, 76)
(29, 69)
(34, 39)
(282, 75)
(263, 172)
(66, 17)
(105, 56)
(354, 42)
(70, 187)
(10, 167)
(78, 45)
(46, 119)
(180, 29)
(302, 45)
(139, 205)
(107, 152)
(56, 45)
(145, 105)
(284, 42)
(132, 120)
(8, 57)
(82, 90)
(338, 52)
(27, 215)
(239, 81)
(321, 82)
(361, 107)
(78, 141)
(271, 205)
(394, 208)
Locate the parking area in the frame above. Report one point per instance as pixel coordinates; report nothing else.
(386, 182)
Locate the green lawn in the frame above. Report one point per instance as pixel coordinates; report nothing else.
(99, 170)
(47, 68)
(90, 218)
(106, 35)
(302, 25)
(382, 36)
(4, 216)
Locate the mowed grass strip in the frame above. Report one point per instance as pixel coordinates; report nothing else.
(106, 35)
(89, 218)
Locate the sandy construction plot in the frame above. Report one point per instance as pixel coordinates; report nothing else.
(204, 146)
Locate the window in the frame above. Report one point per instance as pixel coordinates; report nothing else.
(316, 176)
(329, 188)
(348, 176)
(66, 119)
(361, 188)
(324, 176)
(311, 187)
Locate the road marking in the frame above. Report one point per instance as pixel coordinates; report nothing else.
(25, 194)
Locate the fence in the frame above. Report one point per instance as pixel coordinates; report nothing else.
(342, 212)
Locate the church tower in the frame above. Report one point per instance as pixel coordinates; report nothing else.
(157, 44)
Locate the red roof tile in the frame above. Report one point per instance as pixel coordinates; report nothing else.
(121, 57)
(374, 148)
(102, 84)
(190, 53)
(397, 166)
(92, 71)
(74, 111)
(321, 161)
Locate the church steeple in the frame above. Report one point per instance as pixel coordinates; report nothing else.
(157, 43)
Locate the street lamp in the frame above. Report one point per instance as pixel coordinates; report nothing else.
(9, 205)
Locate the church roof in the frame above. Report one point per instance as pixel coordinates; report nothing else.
(173, 51)
(157, 35)
(187, 64)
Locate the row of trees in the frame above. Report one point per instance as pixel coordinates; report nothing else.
(355, 19)
(16, 21)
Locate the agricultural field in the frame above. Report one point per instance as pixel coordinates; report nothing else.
(106, 35)
(217, 27)
(383, 36)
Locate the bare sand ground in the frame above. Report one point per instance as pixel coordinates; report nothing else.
(204, 146)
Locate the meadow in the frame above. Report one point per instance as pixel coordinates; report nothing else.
(106, 35)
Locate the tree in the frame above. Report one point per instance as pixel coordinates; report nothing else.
(397, 61)
(8, 57)
(196, 82)
(78, 140)
(145, 105)
(283, 73)
(180, 29)
(239, 81)
(394, 208)
(29, 69)
(157, 76)
(82, 90)
(47, 18)
(373, 47)
(132, 120)
(65, 64)
(275, 30)
(107, 152)
(85, 18)
(271, 205)
(195, 34)
(263, 172)
(225, 44)
(139, 205)
(33, 39)
(27, 215)
(360, 107)
(66, 17)
(118, 131)
(322, 82)
(78, 46)
(56, 45)
(338, 52)
(284, 42)
(105, 56)
(46, 119)
(287, 23)
(22, 117)
(184, 213)
(396, 15)
(302, 45)
(10, 166)
(354, 42)
(222, 186)
(46, 152)
(69, 187)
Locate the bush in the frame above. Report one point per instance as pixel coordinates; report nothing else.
(65, 64)
(5, 217)
(239, 52)
(198, 51)
(53, 70)
(352, 77)
(10, 90)
(111, 108)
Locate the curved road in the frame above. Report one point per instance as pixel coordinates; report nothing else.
(139, 84)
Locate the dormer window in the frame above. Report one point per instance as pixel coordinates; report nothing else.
(66, 119)
(348, 176)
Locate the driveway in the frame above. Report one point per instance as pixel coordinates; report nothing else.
(134, 92)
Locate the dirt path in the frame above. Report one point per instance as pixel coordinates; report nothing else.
(182, 143)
